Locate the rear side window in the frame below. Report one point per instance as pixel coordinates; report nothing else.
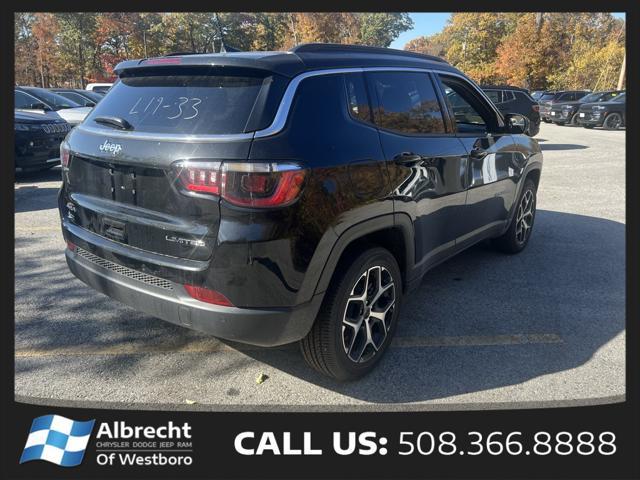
(22, 100)
(357, 98)
(507, 96)
(407, 103)
(188, 104)
(494, 95)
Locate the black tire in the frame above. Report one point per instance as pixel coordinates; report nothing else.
(574, 120)
(514, 240)
(613, 121)
(588, 126)
(324, 348)
(546, 120)
(559, 123)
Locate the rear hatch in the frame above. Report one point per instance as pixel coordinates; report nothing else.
(124, 183)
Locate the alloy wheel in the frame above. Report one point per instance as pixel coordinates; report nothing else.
(613, 121)
(368, 314)
(524, 218)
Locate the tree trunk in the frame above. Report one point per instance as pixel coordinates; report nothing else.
(623, 71)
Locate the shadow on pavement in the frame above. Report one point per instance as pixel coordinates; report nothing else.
(568, 282)
(562, 146)
(50, 175)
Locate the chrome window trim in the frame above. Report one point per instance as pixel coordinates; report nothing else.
(282, 113)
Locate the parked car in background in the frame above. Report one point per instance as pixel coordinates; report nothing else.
(516, 100)
(610, 114)
(99, 87)
(37, 140)
(567, 112)
(536, 94)
(85, 98)
(547, 100)
(273, 197)
(33, 98)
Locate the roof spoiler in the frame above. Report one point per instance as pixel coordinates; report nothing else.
(338, 47)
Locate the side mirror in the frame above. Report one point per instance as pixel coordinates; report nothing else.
(90, 104)
(38, 106)
(516, 123)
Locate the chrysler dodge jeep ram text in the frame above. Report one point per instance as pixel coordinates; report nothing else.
(273, 197)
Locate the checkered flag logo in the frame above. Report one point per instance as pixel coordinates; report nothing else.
(57, 440)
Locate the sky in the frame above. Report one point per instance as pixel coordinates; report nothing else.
(430, 23)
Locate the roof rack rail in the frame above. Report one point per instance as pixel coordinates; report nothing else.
(338, 47)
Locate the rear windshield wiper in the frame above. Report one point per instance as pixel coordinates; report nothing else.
(115, 122)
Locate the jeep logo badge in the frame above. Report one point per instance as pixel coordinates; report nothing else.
(113, 148)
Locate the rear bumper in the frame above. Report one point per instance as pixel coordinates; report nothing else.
(170, 302)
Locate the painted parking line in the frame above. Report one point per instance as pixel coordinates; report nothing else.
(213, 346)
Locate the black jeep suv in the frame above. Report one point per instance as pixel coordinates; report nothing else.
(563, 113)
(510, 99)
(271, 197)
(547, 101)
(610, 115)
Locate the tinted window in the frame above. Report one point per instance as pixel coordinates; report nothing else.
(620, 98)
(508, 96)
(547, 96)
(190, 104)
(75, 97)
(468, 119)
(494, 95)
(524, 96)
(22, 100)
(53, 100)
(594, 97)
(357, 98)
(407, 103)
(95, 97)
(564, 97)
(579, 95)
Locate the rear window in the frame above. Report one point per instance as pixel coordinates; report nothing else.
(189, 104)
(547, 96)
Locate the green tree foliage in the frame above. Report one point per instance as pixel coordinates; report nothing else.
(533, 50)
(380, 29)
(76, 48)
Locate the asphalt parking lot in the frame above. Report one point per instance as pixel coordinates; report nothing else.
(485, 330)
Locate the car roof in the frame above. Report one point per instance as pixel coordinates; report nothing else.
(504, 87)
(305, 57)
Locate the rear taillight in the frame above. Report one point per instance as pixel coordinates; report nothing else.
(208, 296)
(536, 107)
(256, 185)
(64, 154)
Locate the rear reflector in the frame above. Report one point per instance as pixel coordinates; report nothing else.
(208, 296)
(71, 246)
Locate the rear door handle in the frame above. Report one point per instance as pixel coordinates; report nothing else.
(407, 157)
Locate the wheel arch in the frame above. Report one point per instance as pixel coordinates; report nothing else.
(393, 232)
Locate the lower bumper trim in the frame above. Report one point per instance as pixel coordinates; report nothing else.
(255, 326)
